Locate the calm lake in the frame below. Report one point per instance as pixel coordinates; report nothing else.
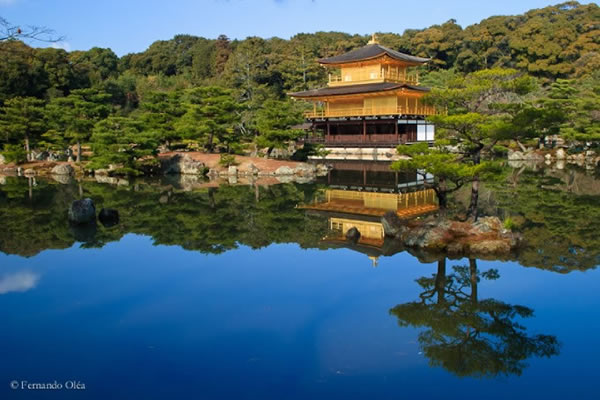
(211, 291)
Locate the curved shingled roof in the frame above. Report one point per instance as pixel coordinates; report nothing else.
(369, 52)
(355, 89)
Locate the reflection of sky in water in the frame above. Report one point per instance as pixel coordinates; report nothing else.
(18, 282)
(133, 320)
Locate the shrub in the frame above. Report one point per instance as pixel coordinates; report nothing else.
(227, 159)
(15, 153)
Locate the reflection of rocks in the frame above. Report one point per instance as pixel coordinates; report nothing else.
(486, 237)
(108, 217)
(2, 180)
(181, 164)
(112, 180)
(353, 234)
(85, 233)
(63, 179)
(82, 211)
(18, 282)
(62, 169)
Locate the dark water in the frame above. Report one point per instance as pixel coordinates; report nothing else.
(235, 292)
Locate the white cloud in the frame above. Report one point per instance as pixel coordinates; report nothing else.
(18, 282)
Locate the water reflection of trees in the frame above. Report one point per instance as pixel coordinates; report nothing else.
(469, 336)
(211, 220)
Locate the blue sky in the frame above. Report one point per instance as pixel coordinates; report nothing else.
(131, 25)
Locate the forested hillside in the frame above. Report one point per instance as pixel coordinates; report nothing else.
(161, 89)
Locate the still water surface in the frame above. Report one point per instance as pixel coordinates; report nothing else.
(235, 292)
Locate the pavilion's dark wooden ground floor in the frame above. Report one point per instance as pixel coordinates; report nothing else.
(369, 132)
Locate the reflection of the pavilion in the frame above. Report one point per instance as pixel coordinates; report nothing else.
(361, 206)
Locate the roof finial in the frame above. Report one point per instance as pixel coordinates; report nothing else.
(373, 39)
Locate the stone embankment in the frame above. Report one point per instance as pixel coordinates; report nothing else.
(484, 238)
(559, 157)
(190, 166)
(242, 167)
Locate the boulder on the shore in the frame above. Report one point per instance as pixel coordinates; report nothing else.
(2, 160)
(392, 224)
(561, 154)
(108, 217)
(284, 170)
(485, 237)
(62, 169)
(181, 164)
(82, 211)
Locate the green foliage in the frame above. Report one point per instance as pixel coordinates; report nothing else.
(73, 117)
(274, 121)
(22, 121)
(123, 143)
(212, 113)
(226, 160)
(14, 153)
(468, 336)
(508, 224)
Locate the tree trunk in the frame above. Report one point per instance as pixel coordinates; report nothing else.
(442, 194)
(209, 145)
(473, 206)
(473, 274)
(27, 149)
(522, 147)
(78, 151)
(440, 281)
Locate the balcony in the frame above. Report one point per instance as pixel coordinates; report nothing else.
(371, 140)
(373, 111)
(374, 77)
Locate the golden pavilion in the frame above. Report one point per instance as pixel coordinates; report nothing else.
(373, 99)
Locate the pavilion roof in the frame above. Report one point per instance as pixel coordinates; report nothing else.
(371, 51)
(356, 89)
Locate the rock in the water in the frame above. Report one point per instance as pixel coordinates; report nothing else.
(108, 217)
(515, 156)
(2, 160)
(29, 172)
(353, 234)
(533, 156)
(561, 154)
(182, 164)
(392, 224)
(62, 169)
(305, 170)
(232, 170)
(488, 224)
(82, 211)
(488, 247)
(63, 179)
(285, 170)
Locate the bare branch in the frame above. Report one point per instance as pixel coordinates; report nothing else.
(9, 31)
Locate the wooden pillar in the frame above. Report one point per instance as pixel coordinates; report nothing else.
(364, 176)
(396, 133)
(406, 105)
(328, 133)
(364, 130)
(417, 104)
